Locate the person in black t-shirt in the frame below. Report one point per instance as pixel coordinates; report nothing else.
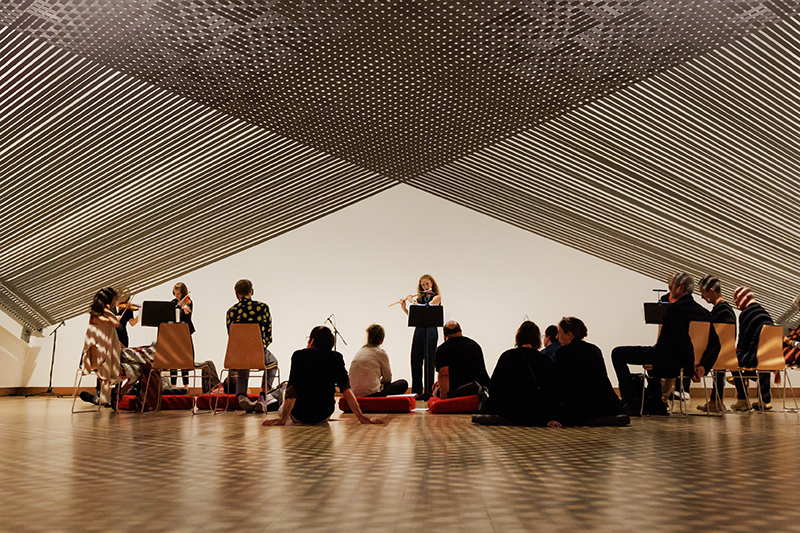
(315, 373)
(459, 361)
(722, 313)
(124, 312)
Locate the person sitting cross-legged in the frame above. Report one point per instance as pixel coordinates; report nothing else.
(587, 395)
(370, 371)
(523, 390)
(315, 373)
(460, 364)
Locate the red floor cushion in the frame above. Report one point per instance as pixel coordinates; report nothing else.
(464, 404)
(168, 402)
(390, 404)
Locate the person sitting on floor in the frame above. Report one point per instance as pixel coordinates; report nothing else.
(460, 364)
(752, 319)
(247, 310)
(370, 371)
(315, 373)
(551, 342)
(587, 395)
(523, 385)
(672, 352)
(721, 313)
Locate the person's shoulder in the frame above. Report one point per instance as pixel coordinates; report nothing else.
(470, 342)
(365, 352)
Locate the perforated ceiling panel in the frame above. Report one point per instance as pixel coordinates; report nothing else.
(397, 87)
(173, 111)
(696, 169)
(108, 180)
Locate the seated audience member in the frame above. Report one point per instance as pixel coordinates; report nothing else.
(247, 310)
(551, 343)
(583, 382)
(672, 352)
(523, 385)
(751, 319)
(315, 373)
(459, 361)
(721, 313)
(370, 372)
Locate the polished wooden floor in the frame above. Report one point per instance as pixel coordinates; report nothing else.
(175, 472)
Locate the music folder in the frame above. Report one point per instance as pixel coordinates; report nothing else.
(428, 316)
(654, 312)
(155, 313)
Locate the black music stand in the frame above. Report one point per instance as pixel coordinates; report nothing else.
(426, 316)
(654, 312)
(155, 313)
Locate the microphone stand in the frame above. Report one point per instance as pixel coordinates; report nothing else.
(335, 331)
(49, 391)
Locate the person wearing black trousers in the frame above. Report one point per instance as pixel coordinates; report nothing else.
(427, 294)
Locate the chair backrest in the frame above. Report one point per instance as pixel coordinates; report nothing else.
(698, 332)
(245, 347)
(770, 349)
(174, 348)
(727, 359)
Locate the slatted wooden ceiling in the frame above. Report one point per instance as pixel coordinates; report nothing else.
(658, 135)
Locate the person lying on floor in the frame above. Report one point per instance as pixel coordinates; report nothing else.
(587, 395)
(523, 385)
(315, 373)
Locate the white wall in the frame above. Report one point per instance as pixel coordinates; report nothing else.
(357, 261)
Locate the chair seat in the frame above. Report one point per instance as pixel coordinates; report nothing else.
(387, 404)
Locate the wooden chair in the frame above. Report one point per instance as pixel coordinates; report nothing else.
(726, 361)
(770, 359)
(174, 351)
(245, 351)
(90, 368)
(698, 333)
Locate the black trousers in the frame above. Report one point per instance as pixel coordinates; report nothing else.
(418, 360)
(391, 389)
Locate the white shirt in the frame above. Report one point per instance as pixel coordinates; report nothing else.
(369, 369)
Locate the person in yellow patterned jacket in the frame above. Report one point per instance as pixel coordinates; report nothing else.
(247, 310)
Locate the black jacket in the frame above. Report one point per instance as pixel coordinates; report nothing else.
(674, 350)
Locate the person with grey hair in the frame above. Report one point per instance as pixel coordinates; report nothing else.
(672, 352)
(722, 313)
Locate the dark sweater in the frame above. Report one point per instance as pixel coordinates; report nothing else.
(674, 350)
(751, 321)
(522, 396)
(313, 379)
(723, 314)
(583, 383)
